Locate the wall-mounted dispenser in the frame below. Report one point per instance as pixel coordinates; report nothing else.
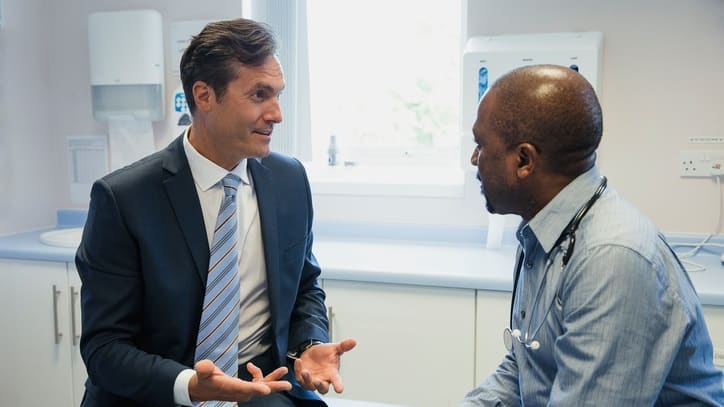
(485, 59)
(126, 64)
(127, 79)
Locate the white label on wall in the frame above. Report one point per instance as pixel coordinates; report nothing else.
(704, 140)
(180, 33)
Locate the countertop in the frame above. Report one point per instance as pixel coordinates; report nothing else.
(437, 264)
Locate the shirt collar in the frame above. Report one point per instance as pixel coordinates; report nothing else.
(548, 224)
(206, 173)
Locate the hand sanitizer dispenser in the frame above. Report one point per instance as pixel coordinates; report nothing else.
(126, 64)
(127, 78)
(485, 59)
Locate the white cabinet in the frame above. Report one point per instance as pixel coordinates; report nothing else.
(492, 316)
(76, 362)
(39, 347)
(415, 344)
(714, 316)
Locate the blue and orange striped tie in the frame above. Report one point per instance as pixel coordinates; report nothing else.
(218, 338)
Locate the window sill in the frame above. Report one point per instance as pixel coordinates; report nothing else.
(410, 181)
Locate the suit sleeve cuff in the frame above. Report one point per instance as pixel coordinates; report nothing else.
(181, 388)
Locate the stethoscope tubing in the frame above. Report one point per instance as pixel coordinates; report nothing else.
(570, 232)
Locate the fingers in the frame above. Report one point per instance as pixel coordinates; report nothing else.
(256, 373)
(322, 387)
(277, 386)
(272, 380)
(277, 374)
(251, 389)
(318, 383)
(302, 375)
(210, 383)
(338, 385)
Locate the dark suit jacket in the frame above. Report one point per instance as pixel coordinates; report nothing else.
(143, 261)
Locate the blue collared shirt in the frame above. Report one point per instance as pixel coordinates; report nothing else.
(620, 325)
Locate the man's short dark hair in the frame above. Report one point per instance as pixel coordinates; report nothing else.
(212, 54)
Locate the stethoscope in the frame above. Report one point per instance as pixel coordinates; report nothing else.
(528, 340)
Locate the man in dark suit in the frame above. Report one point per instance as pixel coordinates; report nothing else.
(144, 258)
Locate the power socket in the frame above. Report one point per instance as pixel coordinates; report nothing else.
(719, 357)
(701, 163)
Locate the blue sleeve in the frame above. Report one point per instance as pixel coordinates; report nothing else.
(309, 315)
(500, 389)
(622, 327)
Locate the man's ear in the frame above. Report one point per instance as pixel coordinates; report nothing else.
(528, 157)
(203, 95)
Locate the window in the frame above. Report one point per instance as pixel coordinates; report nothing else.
(384, 80)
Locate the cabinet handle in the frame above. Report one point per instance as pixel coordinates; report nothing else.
(56, 294)
(73, 297)
(330, 320)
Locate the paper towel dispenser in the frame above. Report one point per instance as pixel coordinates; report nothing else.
(126, 64)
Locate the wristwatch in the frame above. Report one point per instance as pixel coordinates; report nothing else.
(297, 353)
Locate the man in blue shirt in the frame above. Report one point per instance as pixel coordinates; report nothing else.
(603, 313)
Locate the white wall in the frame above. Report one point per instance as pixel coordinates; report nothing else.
(45, 96)
(663, 81)
(29, 159)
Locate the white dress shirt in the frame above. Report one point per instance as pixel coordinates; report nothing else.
(255, 317)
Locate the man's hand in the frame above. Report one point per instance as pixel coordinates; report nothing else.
(318, 366)
(210, 383)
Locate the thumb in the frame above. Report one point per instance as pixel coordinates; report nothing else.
(204, 369)
(347, 345)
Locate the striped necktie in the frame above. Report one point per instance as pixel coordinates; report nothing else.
(218, 338)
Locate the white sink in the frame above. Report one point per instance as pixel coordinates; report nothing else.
(62, 237)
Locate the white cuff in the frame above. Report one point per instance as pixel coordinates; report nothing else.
(181, 388)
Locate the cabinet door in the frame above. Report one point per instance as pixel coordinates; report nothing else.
(77, 366)
(492, 317)
(415, 344)
(714, 316)
(35, 325)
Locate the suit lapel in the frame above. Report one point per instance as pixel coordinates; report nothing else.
(184, 200)
(266, 200)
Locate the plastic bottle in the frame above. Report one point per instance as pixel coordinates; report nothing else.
(332, 150)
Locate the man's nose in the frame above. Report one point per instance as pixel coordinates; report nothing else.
(274, 113)
(475, 157)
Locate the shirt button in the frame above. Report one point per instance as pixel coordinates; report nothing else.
(522, 314)
(528, 264)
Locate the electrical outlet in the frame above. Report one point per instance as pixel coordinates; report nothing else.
(719, 357)
(701, 163)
